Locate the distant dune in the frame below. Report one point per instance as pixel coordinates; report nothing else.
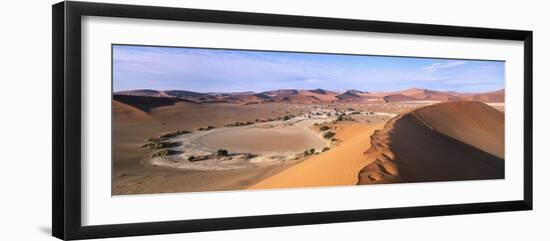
(315, 96)
(448, 141)
(398, 98)
(349, 96)
(425, 94)
(145, 103)
(322, 92)
(143, 92)
(494, 96)
(124, 112)
(321, 95)
(301, 99)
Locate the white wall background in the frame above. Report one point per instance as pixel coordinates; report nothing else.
(25, 123)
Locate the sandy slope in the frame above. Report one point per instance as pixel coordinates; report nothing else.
(446, 141)
(133, 126)
(336, 167)
(124, 112)
(443, 142)
(473, 123)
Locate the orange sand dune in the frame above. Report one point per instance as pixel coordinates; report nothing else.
(473, 123)
(493, 96)
(327, 97)
(336, 167)
(443, 142)
(124, 112)
(146, 103)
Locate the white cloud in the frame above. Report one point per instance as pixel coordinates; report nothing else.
(439, 65)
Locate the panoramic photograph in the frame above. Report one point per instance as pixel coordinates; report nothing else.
(201, 119)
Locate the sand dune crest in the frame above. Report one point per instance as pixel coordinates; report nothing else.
(448, 141)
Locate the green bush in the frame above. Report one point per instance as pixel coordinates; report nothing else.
(223, 152)
(206, 128)
(328, 134)
(288, 117)
(165, 153)
(174, 134)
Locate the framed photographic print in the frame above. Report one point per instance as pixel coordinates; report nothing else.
(169, 120)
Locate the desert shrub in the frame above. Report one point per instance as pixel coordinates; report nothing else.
(288, 117)
(324, 128)
(311, 151)
(191, 158)
(222, 152)
(160, 154)
(175, 133)
(344, 117)
(165, 153)
(250, 156)
(355, 113)
(164, 144)
(306, 153)
(325, 149)
(328, 134)
(206, 128)
(167, 135)
(237, 123)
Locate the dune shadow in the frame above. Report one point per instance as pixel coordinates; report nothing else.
(421, 153)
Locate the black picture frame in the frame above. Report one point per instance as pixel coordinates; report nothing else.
(66, 75)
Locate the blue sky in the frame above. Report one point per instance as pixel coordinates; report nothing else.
(214, 70)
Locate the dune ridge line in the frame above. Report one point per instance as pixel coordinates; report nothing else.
(429, 144)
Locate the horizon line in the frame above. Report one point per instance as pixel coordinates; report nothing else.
(338, 91)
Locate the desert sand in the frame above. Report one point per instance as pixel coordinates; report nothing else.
(414, 135)
(336, 167)
(264, 139)
(133, 174)
(444, 142)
